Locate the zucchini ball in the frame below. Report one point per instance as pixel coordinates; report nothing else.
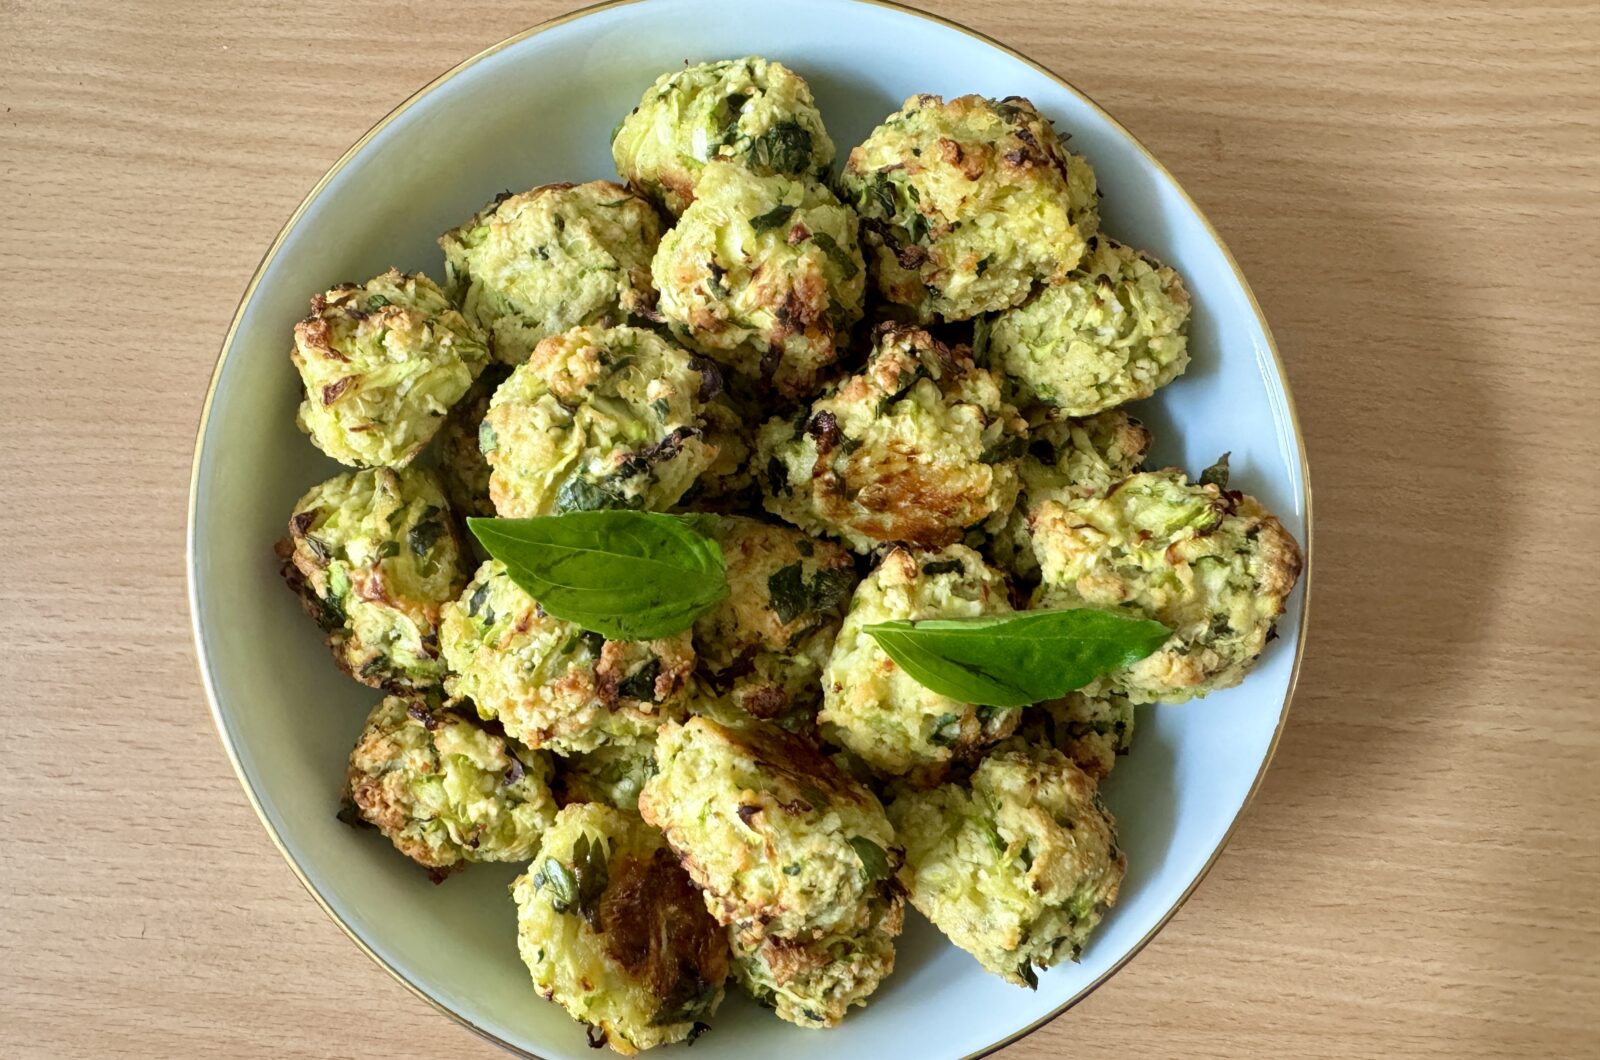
(613, 773)
(444, 790)
(613, 931)
(534, 265)
(1115, 331)
(763, 274)
(382, 364)
(966, 206)
(596, 418)
(916, 448)
(462, 468)
(1067, 458)
(779, 839)
(1091, 730)
(374, 557)
(756, 114)
(765, 644)
(1212, 565)
(729, 484)
(1015, 868)
(815, 982)
(549, 683)
(881, 714)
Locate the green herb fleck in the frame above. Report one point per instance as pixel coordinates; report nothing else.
(1217, 474)
(424, 535)
(578, 888)
(841, 257)
(689, 999)
(916, 224)
(773, 218)
(874, 861)
(579, 494)
(946, 730)
(715, 274)
(792, 596)
(784, 148)
(1008, 448)
(641, 684)
(777, 478)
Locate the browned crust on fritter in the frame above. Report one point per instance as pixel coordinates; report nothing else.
(795, 764)
(898, 495)
(653, 922)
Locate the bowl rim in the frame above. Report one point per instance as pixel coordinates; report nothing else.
(203, 665)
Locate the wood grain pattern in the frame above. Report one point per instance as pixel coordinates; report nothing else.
(1412, 190)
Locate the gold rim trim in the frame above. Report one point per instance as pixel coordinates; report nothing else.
(572, 16)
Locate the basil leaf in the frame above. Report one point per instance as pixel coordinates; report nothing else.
(1018, 659)
(625, 575)
(874, 860)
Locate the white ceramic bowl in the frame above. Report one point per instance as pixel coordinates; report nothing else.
(539, 108)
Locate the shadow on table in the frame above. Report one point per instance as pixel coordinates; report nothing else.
(1391, 365)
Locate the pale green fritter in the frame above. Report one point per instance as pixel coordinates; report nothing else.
(613, 773)
(596, 418)
(1016, 867)
(763, 646)
(1212, 565)
(916, 448)
(815, 982)
(877, 711)
(382, 364)
(1092, 730)
(1117, 330)
(756, 114)
(1067, 458)
(549, 683)
(537, 264)
(729, 483)
(779, 839)
(966, 206)
(613, 931)
(765, 275)
(444, 790)
(374, 556)
(462, 468)
(800, 719)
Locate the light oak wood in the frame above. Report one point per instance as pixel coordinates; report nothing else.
(1413, 190)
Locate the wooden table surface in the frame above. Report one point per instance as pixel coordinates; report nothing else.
(1413, 189)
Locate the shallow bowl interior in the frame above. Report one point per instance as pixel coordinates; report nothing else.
(539, 109)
